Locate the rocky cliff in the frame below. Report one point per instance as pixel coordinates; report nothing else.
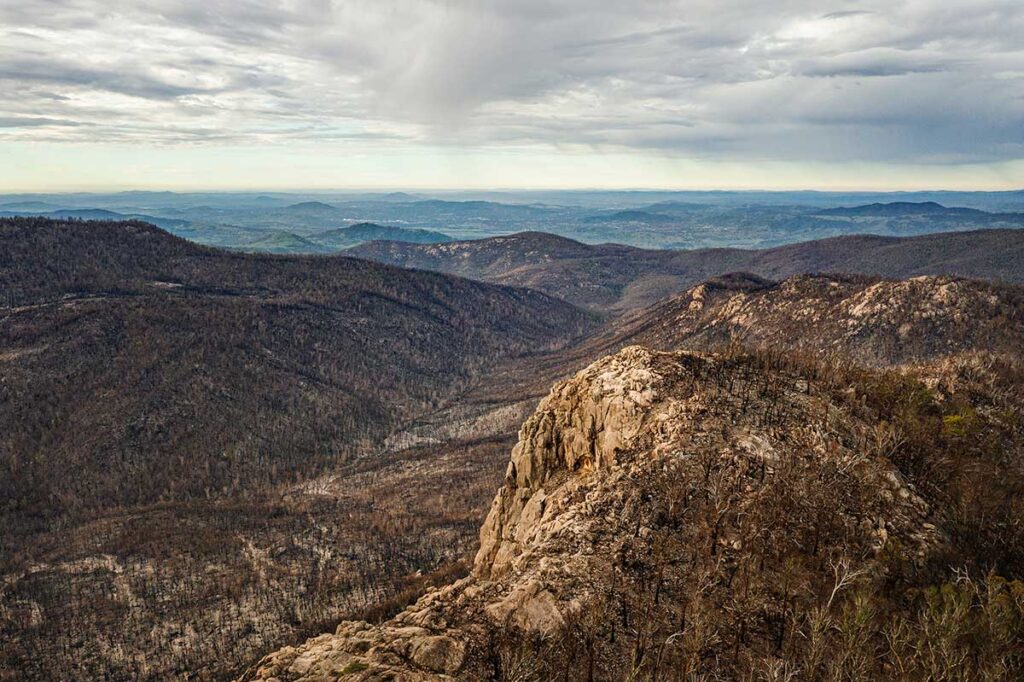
(659, 510)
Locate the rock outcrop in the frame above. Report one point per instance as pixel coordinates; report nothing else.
(867, 320)
(579, 428)
(646, 468)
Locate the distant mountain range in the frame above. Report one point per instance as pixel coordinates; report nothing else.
(687, 225)
(902, 208)
(1010, 200)
(330, 241)
(88, 214)
(255, 240)
(646, 220)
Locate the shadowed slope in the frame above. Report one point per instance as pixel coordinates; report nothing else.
(163, 406)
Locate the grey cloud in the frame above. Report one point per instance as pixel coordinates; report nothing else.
(121, 81)
(877, 62)
(739, 79)
(35, 122)
(845, 13)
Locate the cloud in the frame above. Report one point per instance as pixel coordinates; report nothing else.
(34, 122)
(121, 80)
(738, 79)
(844, 14)
(876, 62)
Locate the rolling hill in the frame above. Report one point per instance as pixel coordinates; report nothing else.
(359, 233)
(353, 347)
(281, 242)
(909, 208)
(310, 207)
(328, 241)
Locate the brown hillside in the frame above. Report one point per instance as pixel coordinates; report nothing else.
(159, 402)
(618, 279)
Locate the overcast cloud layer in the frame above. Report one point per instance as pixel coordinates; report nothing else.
(917, 81)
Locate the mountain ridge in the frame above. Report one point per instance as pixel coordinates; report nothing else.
(900, 208)
(357, 233)
(617, 279)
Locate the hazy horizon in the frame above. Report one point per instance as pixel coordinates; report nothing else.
(457, 193)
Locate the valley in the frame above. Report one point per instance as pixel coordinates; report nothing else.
(162, 400)
(264, 446)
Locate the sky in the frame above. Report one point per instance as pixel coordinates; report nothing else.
(332, 94)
